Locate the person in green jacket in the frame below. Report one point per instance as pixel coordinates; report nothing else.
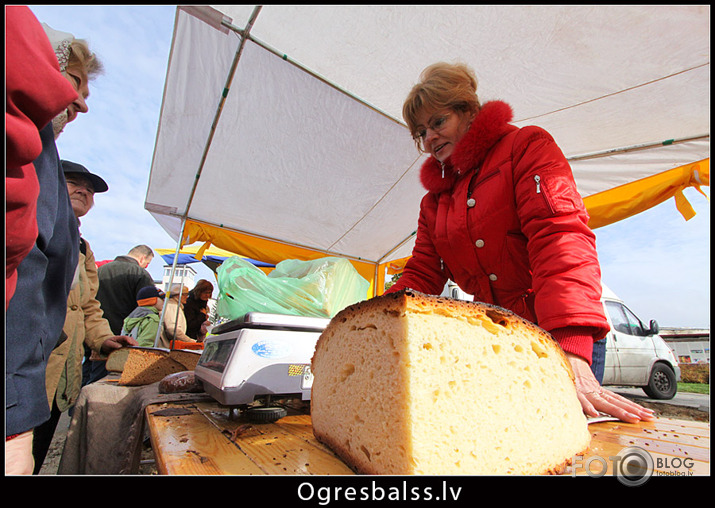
(143, 322)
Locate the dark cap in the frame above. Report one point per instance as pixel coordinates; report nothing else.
(72, 167)
(148, 295)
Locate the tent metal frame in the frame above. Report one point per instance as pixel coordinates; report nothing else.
(229, 79)
(219, 21)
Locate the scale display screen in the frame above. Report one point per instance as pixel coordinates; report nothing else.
(217, 354)
(259, 355)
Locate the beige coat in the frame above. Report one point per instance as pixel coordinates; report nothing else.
(170, 320)
(84, 323)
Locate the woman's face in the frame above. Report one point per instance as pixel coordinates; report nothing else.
(79, 80)
(206, 294)
(81, 194)
(440, 130)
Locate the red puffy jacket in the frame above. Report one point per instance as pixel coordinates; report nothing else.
(503, 220)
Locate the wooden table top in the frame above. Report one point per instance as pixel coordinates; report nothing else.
(204, 438)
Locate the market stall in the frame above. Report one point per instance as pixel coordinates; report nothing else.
(281, 135)
(281, 138)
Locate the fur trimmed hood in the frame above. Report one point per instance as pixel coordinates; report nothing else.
(486, 129)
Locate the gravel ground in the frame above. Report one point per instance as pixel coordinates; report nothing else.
(665, 410)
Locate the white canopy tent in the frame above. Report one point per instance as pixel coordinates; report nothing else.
(281, 134)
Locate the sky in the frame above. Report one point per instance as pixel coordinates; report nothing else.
(658, 263)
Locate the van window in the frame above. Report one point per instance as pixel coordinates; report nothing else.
(624, 320)
(618, 318)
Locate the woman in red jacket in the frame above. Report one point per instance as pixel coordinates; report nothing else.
(503, 219)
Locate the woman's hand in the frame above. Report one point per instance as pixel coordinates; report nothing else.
(594, 398)
(203, 332)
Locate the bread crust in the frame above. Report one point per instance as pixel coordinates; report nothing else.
(414, 301)
(346, 457)
(343, 453)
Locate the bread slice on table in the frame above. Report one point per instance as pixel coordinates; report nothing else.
(117, 359)
(144, 366)
(408, 383)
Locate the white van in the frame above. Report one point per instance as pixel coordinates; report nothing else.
(635, 354)
(452, 290)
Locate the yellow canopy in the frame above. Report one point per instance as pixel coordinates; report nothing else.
(626, 200)
(273, 252)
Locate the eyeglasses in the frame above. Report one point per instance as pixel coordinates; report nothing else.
(436, 124)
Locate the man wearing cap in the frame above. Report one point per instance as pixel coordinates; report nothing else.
(84, 322)
(143, 322)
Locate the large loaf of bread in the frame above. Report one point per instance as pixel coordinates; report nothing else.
(412, 384)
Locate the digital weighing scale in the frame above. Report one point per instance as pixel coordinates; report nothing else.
(259, 355)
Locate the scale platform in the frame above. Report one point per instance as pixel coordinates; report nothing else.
(259, 355)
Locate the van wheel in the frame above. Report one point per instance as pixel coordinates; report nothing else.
(662, 384)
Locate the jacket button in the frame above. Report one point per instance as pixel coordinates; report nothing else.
(492, 277)
(74, 307)
(471, 202)
(479, 243)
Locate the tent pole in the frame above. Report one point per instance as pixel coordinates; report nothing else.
(229, 79)
(382, 259)
(376, 280)
(176, 318)
(644, 146)
(171, 281)
(403, 242)
(232, 71)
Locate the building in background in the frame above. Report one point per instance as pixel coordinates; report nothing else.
(186, 274)
(690, 345)
(183, 274)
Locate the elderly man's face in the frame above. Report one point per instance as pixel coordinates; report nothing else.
(81, 192)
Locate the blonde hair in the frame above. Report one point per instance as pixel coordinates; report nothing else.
(441, 86)
(81, 57)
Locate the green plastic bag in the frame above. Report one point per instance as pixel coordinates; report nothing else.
(318, 288)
